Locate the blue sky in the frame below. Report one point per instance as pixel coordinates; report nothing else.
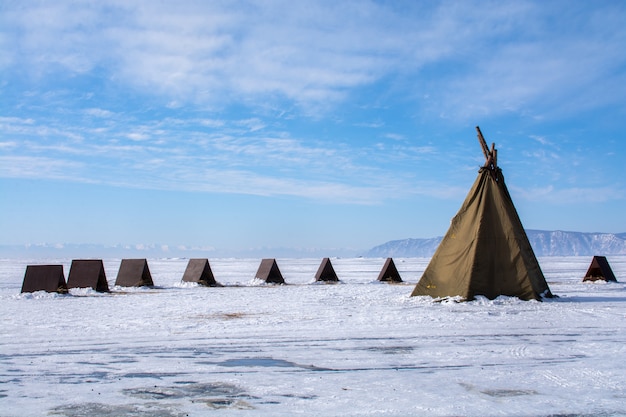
(314, 124)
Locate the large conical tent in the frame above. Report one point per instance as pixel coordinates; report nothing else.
(486, 251)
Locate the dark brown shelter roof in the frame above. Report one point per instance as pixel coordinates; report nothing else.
(326, 272)
(389, 272)
(134, 273)
(88, 273)
(599, 270)
(486, 250)
(268, 271)
(48, 278)
(199, 270)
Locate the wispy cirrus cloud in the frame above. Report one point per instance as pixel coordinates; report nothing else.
(38, 167)
(99, 113)
(563, 56)
(566, 196)
(496, 57)
(164, 155)
(199, 52)
(224, 156)
(196, 61)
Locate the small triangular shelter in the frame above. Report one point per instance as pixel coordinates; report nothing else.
(88, 273)
(49, 278)
(599, 270)
(199, 270)
(486, 250)
(134, 273)
(389, 273)
(326, 272)
(268, 271)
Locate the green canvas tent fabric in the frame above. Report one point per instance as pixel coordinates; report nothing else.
(485, 251)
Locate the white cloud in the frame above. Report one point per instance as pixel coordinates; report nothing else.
(372, 125)
(8, 145)
(541, 139)
(469, 59)
(214, 123)
(493, 57)
(551, 63)
(252, 125)
(5, 121)
(137, 136)
(40, 167)
(571, 195)
(251, 161)
(99, 113)
(190, 51)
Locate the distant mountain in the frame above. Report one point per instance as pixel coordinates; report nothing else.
(544, 243)
(73, 250)
(405, 248)
(559, 243)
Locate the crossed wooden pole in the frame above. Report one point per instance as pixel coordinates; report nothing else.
(491, 156)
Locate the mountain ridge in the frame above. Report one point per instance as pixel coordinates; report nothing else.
(103, 251)
(544, 243)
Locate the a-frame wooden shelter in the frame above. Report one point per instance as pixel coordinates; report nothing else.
(599, 270)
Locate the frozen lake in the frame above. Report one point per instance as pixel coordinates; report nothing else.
(352, 349)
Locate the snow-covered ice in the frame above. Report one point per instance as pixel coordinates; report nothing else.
(355, 348)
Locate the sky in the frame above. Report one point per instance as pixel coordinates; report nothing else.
(312, 125)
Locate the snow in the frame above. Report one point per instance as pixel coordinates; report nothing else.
(357, 348)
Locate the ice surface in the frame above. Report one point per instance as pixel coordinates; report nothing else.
(356, 348)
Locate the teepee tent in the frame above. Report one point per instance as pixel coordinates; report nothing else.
(49, 278)
(599, 270)
(326, 272)
(134, 273)
(269, 272)
(199, 270)
(88, 273)
(485, 251)
(389, 273)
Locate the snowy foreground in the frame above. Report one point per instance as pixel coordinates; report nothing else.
(351, 349)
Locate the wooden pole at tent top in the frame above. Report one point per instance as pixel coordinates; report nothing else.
(491, 156)
(483, 143)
